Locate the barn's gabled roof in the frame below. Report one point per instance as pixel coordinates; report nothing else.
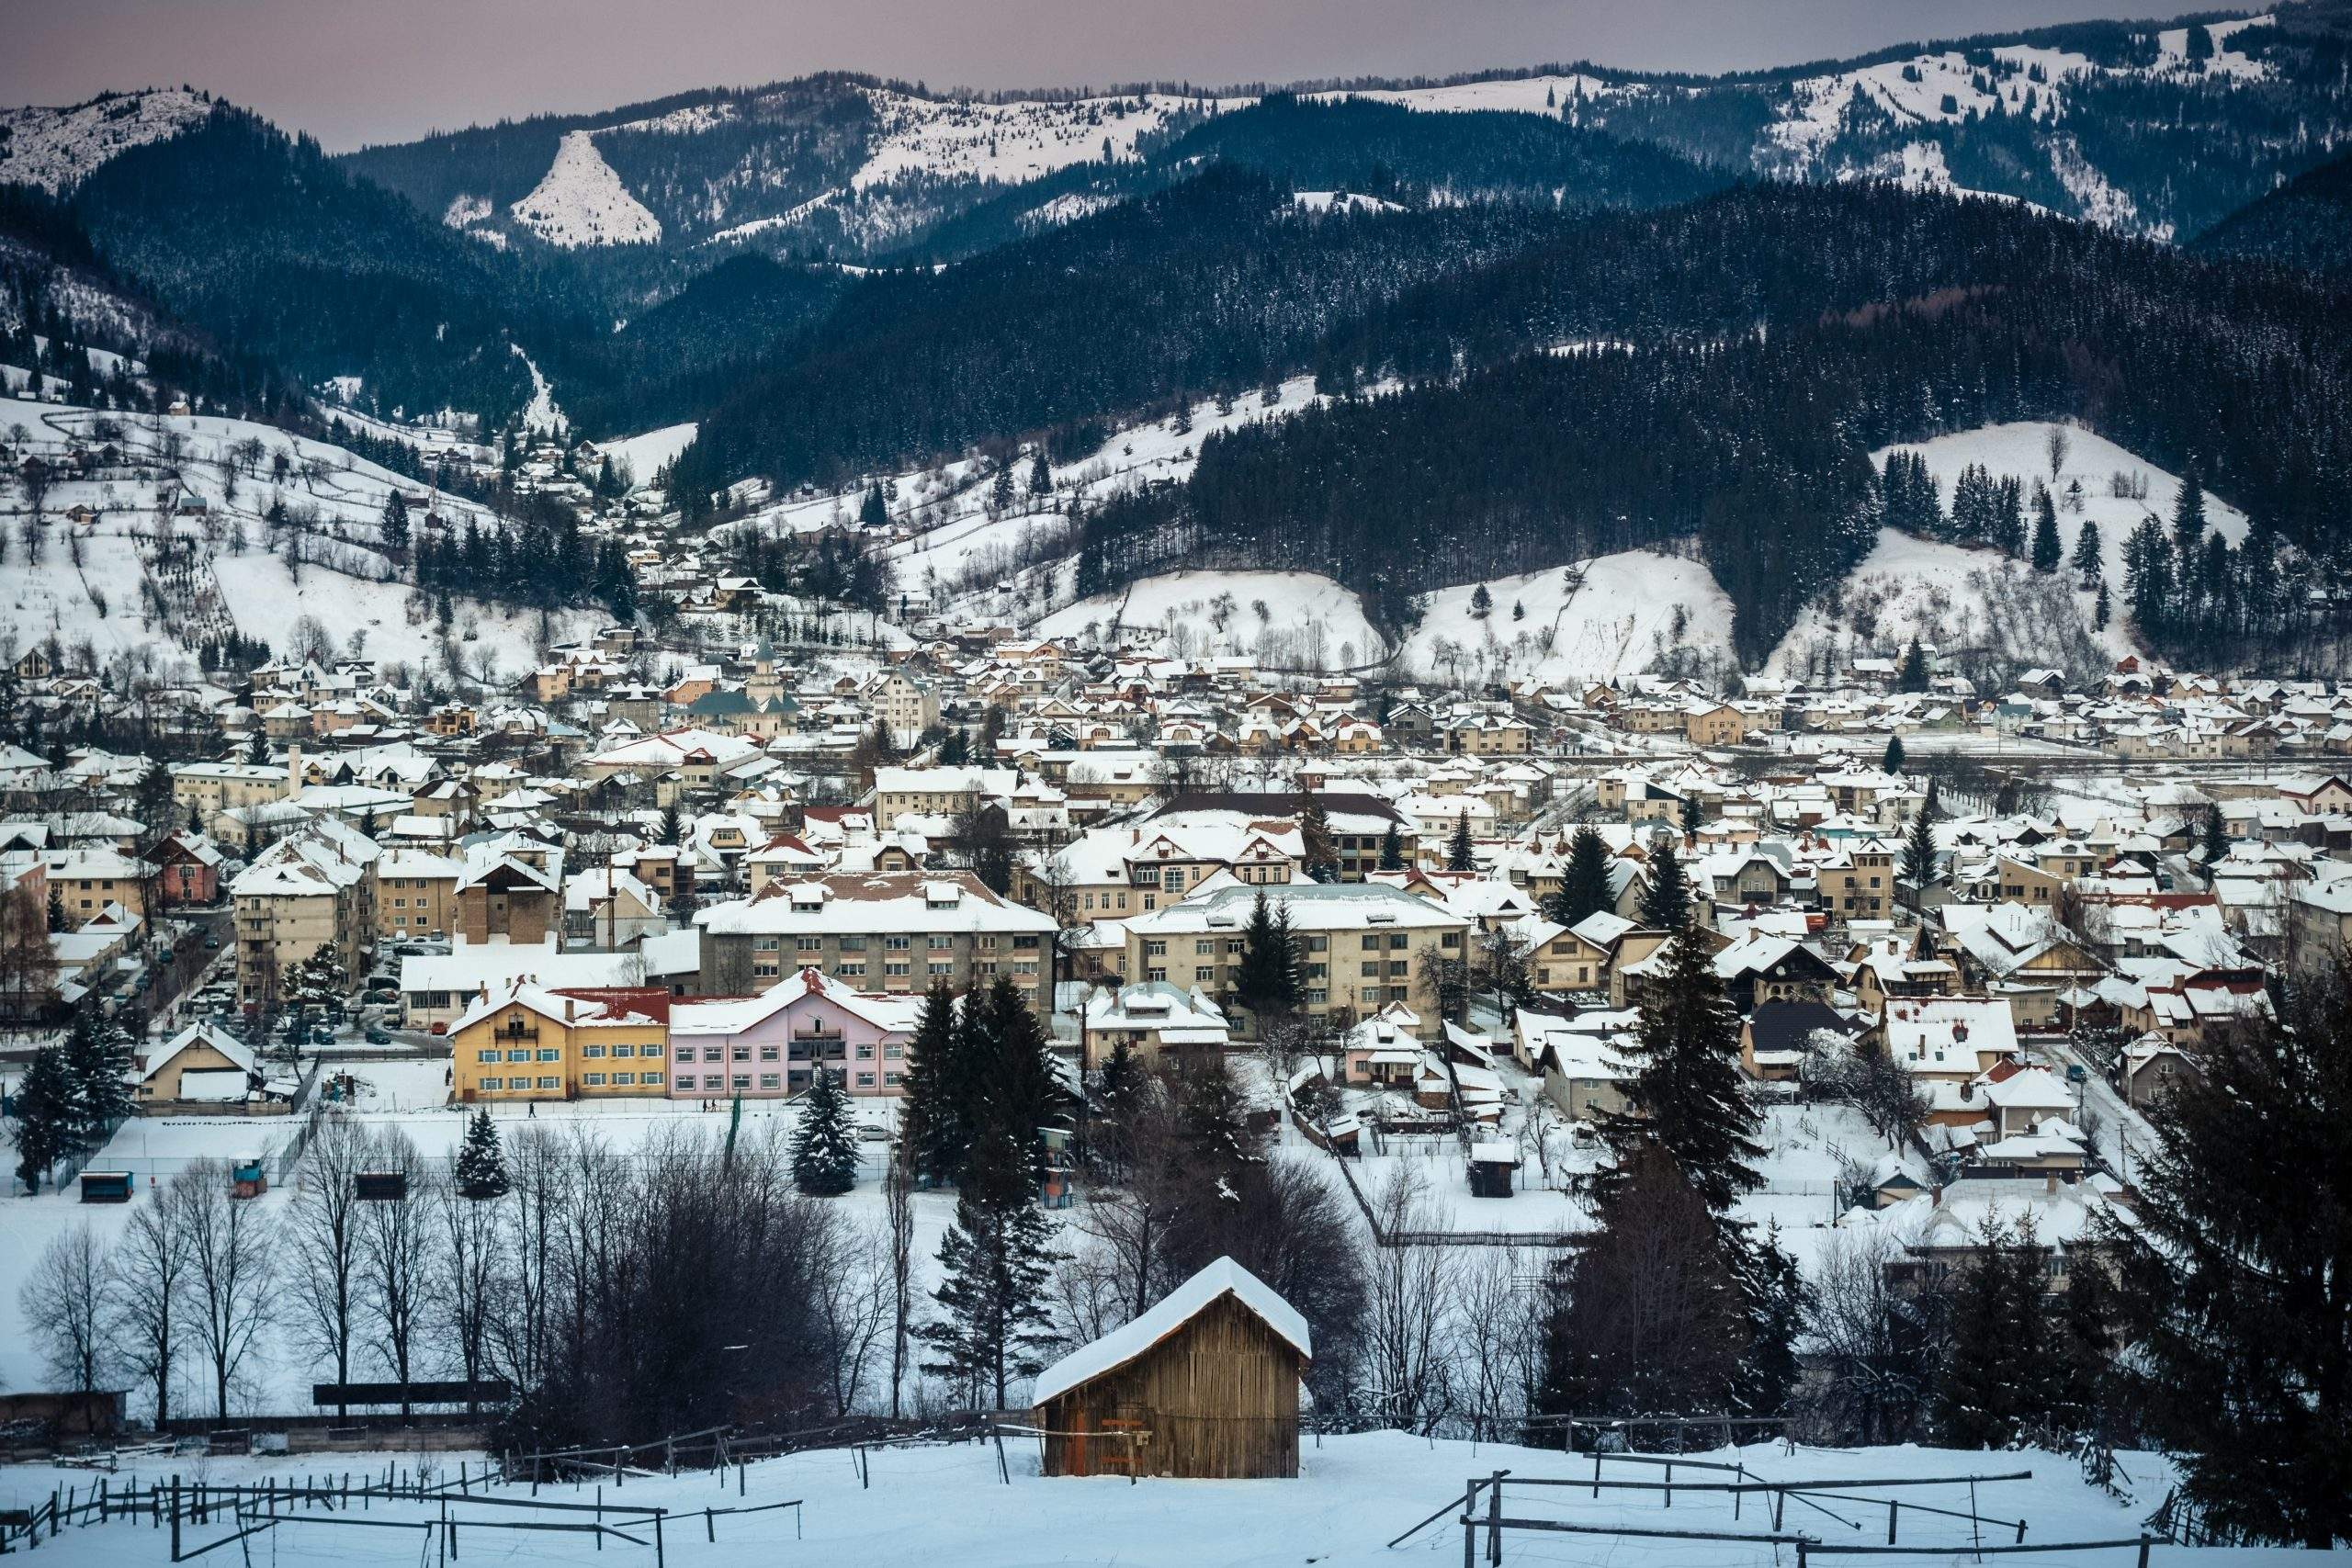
(1179, 1306)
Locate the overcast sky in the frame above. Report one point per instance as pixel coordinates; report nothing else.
(355, 70)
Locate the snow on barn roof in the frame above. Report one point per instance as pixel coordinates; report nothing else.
(1179, 1306)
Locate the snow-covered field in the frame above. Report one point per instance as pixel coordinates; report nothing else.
(1524, 94)
(1353, 1495)
(1283, 617)
(1954, 597)
(1624, 616)
(1010, 142)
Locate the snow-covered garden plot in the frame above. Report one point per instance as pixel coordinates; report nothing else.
(1291, 619)
(1613, 615)
(952, 1504)
(1957, 597)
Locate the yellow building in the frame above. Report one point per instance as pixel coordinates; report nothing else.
(529, 1043)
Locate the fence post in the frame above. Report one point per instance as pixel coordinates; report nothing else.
(1469, 1524)
(1669, 1483)
(176, 1519)
(2144, 1549)
(1893, 1508)
(1495, 1520)
(1739, 1497)
(1596, 1465)
(709, 1528)
(657, 1558)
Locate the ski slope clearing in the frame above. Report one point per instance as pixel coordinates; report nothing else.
(56, 148)
(1346, 201)
(949, 1503)
(1958, 598)
(1617, 614)
(644, 456)
(1289, 619)
(581, 201)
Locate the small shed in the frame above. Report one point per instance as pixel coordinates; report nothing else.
(1203, 1385)
(106, 1186)
(1492, 1161)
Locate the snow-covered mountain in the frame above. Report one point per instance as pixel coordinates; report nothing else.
(57, 148)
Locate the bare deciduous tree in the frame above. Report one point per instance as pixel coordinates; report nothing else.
(323, 1242)
(148, 1317)
(231, 1267)
(64, 1300)
(1409, 1294)
(395, 1240)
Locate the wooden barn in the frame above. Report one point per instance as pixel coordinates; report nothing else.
(1203, 1385)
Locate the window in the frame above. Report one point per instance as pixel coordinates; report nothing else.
(1372, 945)
(767, 1053)
(518, 1056)
(1399, 969)
(549, 1080)
(740, 1053)
(742, 1080)
(897, 968)
(938, 943)
(864, 1052)
(1155, 950)
(1397, 941)
(853, 944)
(595, 1080)
(493, 1083)
(649, 1080)
(486, 1056)
(592, 1051)
(685, 1053)
(939, 969)
(768, 944)
(1205, 950)
(896, 944)
(865, 1080)
(890, 1080)
(550, 1054)
(712, 1053)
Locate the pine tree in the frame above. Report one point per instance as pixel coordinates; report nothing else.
(1919, 848)
(2047, 549)
(1041, 477)
(394, 527)
(482, 1163)
(1266, 981)
(824, 1151)
(1585, 888)
(2189, 518)
(1392, 850)
(931, 1117)
(2216, 836)
(1318, 845)
(1892, 761)
(1001, 489)
(97, 1069)
(43, 1114)
(2100, 609)
(1666, 902)
(1686, 1096)
(1459, 855)
(2233, 1274)
(55, 913)
(2089, 561)
(994, 1265)
(873, 512)
(1482, 604)
(668, 830)
(1020, 1086)
(1913, 675)
(1994, 1375)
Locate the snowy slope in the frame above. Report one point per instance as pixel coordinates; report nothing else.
(1286, 618)
(645, 456)
(1525, 94)
(1619, 621)
(56, 148)
(1955, 597)
(581, 201)
(340, 584)
(1010, 142)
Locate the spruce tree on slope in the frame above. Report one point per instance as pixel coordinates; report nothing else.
(1892, 761)
(1585, 887)
(1459, 855)
(1913, 674)
(824, 1151)
(1999, 1373)
(42, 1116)
(1021, 1086)
(1392, 850)
(2234, 1272)
(1686, 1094)
(97, 1067)
(2047, 549)
(2216, 836)
(994, 1265)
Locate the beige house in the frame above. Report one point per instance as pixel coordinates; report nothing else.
(416, 894)
(300, 894)
(1362, 944)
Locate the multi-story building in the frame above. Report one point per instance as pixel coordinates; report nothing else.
(416, 894)
(526, 1043)
(769, 1047)
(938, 792)
(891, 931)
(300, 894)
(1362, 946)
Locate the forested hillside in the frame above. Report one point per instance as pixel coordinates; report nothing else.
(2306, 222)
(1811, 327)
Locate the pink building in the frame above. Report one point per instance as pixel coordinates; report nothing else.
(767, 1047)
